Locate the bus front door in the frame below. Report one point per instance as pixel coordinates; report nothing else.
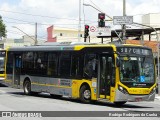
(104, 77)
(17, 69)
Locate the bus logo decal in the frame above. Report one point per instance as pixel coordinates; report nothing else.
(65, 82)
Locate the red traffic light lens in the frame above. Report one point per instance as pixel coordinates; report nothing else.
(86, 26)
(101, 16)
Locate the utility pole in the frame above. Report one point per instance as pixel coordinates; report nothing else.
(36, 34)
(124, 26)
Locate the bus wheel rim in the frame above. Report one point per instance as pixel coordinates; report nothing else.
(87, 94)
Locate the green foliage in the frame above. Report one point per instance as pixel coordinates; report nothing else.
(2, 28)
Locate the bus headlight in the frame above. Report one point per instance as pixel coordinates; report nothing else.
(122, 89)
(153, 90)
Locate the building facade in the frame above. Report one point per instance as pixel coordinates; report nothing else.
(24, 41)
(153, 20)
(56, 34)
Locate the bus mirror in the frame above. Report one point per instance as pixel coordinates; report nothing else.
(118, 61)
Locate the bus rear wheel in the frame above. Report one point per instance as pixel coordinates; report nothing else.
(27, 87)
(85, 94)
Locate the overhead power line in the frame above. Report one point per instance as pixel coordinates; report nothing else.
(33, 23)
(37, 23)
(27, 22)
(37, 15)
(15, 22)
(43, 16)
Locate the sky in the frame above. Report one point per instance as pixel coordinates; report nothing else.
(23, 14)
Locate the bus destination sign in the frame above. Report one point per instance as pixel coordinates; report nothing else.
(132, 50)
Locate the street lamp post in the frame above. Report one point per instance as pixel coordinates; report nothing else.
(97, 9)
(35, 40)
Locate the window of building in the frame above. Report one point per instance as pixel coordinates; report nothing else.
(61, 34)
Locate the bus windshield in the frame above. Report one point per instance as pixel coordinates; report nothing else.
(1, 64)
(135, 71)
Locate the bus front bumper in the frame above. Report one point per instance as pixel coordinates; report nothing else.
(134, 98)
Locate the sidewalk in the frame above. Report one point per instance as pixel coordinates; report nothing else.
(157, 97)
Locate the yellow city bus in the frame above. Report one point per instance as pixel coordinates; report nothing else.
(89, 72)
(2, 64)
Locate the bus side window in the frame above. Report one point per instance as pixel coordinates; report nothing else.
(90, 67)
(28, 62)
(9, 66)
(65, 64)
(76, 70)
(52, 64)
(41, 63)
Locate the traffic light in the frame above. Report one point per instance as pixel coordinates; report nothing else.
(101, 19)
(86, 31)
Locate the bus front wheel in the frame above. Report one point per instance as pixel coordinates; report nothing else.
(85, 94)
(27, 87)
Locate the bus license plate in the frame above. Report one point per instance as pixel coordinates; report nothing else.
(138, 99)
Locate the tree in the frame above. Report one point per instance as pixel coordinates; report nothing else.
(2, 28)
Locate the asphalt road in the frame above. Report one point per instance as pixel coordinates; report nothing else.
(14, 100)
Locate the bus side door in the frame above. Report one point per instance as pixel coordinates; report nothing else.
(17, 69)
(104, 77)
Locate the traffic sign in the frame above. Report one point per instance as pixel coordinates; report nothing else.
(100, 31)
(121, 20)
(92, 28)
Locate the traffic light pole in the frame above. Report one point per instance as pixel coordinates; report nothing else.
(86, 32)
(85, 39)
(102, 40)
